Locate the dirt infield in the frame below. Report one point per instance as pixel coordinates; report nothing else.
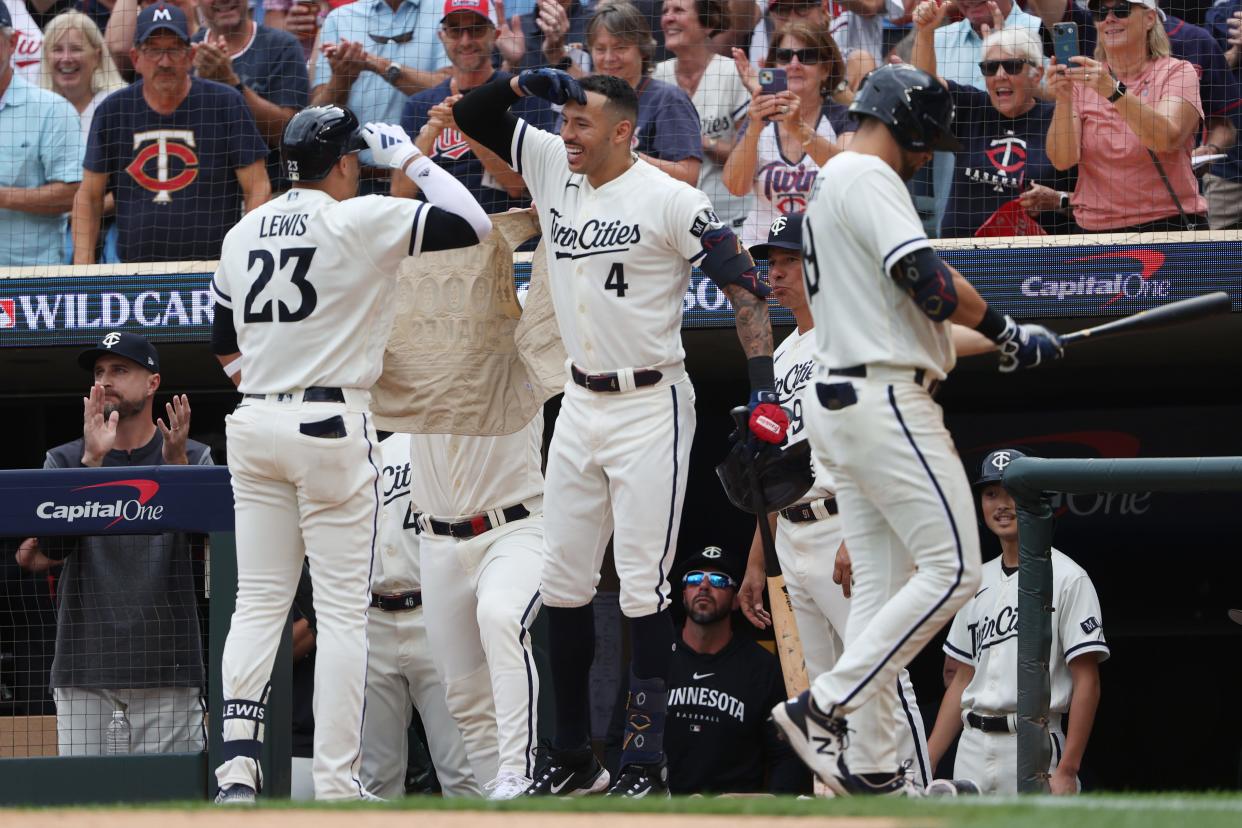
(143, 818)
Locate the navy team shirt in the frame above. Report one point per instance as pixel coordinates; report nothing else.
(1000, 158)
(452, 153)
(174, 175)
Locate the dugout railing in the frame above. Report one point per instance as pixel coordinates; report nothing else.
(154, 499)
(1030, 480)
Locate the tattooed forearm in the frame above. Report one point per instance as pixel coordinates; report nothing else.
(754, 328)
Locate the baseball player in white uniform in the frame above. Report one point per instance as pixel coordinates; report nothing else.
(621, 237)
(882, 302)
(401, 674)
(808, 534)
(302, 311)
(481, 502)
(983, 695)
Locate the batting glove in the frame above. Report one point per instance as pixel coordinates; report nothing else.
(390, 144)
(1027, 346)
(552, 85)
(768, 421)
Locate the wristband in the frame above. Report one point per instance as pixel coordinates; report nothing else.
(762, 374)
(233, 368)
(992, 325)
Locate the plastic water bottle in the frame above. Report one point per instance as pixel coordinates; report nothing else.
(118, 734)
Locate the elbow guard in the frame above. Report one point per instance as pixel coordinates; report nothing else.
(223, 333)
(726, 262)
(929, 282)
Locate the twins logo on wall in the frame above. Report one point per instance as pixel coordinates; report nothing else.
(164, 162)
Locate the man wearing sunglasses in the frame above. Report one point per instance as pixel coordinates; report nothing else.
(720, 688)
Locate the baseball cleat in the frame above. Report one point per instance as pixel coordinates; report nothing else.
(236, 794)
(565, 774)
(507, 785)
(636, 781)
(818, 739)
(952, 787)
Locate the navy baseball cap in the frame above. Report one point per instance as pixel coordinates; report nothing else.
(6, 22)
(715, 559)
(785, 233)
(132, 346)
(161, 18)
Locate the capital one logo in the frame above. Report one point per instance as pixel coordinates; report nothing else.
(164, 162)
(132, 509)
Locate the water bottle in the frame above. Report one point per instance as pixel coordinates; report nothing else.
(118, 734)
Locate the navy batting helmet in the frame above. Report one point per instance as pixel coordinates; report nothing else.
(315, 139)
(994, 466)
(917, 108)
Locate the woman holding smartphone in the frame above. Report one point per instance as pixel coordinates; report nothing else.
(790, 134)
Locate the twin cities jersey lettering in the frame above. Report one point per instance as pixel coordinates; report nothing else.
(310, 292)
(795, 362)
(619, 256)
(859, 223)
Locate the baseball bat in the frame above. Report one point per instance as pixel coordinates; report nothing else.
(784, 626)
(1174, 313)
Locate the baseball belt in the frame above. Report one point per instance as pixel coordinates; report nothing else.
(615, 381)
(472, 526)
(316, 393)
(990, 724)
(919, 375)
(397, 601)
(824, 507)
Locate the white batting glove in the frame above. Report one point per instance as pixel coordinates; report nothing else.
(390, 144)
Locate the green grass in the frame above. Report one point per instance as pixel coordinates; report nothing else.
(1091, 811)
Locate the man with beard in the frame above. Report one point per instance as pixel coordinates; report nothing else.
(720, 688)
(127, 635)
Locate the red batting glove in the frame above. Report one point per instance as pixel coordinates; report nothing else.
(769, 422)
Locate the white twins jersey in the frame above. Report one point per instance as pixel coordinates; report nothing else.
(395, 568)
(794, 359)
(984, 633)
(310, 281)
(618, 256)
(459, 476)
(859, 222)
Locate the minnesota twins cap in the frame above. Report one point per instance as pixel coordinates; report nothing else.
(785, 233)
(483, 8)
(159, 18)
(992, 470)
(132, 346)
(6, 21)
(715, 559)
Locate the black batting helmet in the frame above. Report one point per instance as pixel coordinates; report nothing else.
(785, 475)
(917, 108)
(994, 465)
(315, 139)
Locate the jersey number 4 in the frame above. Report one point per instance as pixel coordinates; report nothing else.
(301, 259)
(616, 279)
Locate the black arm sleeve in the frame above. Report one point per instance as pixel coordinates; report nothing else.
(483, 114)
(446, 231)
(223, 334)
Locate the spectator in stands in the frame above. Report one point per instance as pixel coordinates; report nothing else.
(1127, 118)
(127, 634)
(1002, 130)
(667, 134)
(553, 34)
(1225, 21)
(123, 22)
(27, 52)
(788, 136)
(717, 92)
(40, 163)
(265, 65)
(76, 65)
(179, 153)
(468, 31)
(855, 26)
(300, 18)
(959, 46)
(718, 736)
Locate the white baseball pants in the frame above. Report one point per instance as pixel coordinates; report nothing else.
(991, 759)
(910, 527)
(297, 495)
(402, 676)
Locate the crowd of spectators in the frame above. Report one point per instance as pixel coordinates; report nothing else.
(153, 124)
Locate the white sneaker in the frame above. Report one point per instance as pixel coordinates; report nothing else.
(507, 786)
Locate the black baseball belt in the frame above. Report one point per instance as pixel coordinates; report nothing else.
(919, 375)
(472, 526)
(316, 393)
(611, 381)
(397, 601)
(988, 724)
(805, 512)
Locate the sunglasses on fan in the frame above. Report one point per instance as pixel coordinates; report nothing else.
(783, 55)
(1011, 67)
(1120, 11)
(719, 580)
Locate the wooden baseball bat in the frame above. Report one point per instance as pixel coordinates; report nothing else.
(1174, 313)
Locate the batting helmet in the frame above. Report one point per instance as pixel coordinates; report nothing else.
(917, 108)
(784, 475)
(315, 139)
(994, 466)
